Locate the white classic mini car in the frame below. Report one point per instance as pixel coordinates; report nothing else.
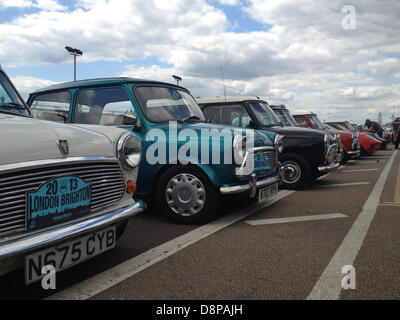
(65, 191)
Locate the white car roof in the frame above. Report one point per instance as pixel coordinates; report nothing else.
(227, 99)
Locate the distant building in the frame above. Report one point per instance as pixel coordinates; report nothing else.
(380, 118)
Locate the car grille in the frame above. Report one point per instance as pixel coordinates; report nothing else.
(355, 144)
(272, 156)
(108, 187)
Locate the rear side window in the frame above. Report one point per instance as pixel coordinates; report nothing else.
(106, 107)
(52, 106)
(213, 114)
(236, 116)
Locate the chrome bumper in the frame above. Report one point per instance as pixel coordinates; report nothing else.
(354, 154)
(329, 168)
(252, 186)
(59, 234)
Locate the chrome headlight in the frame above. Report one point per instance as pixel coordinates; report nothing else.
(129, 150)
(279, 143)
(239, 149)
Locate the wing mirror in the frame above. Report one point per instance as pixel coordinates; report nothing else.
(130, 119)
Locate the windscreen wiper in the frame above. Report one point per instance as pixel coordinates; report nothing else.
(196, 118)
(13, 105)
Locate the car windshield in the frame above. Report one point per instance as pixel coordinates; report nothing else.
(163, 104)
(286, 118)
(265, 114)
(350, 127)
(316, 122)
(342, 127)
(9, 99)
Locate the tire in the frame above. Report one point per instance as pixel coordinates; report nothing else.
(345, 159)
(185, 195)
(301, 174)
(363, 152)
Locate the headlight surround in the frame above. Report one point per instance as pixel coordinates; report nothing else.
(327, 142)
(239, 149)
(129, 150)
(279, 143)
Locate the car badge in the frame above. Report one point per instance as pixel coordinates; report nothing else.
(63, 146)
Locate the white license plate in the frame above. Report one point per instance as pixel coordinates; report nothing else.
(68, 254)
(268, 192)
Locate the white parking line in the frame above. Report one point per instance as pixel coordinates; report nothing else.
(389, 205)
(344, 184)
(373, 162)
(362, 170)
(297, 219)
(328, 287)
(127, 269)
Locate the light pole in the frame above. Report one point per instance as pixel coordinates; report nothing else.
(75, 52)
(178, 79)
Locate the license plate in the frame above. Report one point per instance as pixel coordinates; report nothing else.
(268, 192)
(68, 254)
(57, 201)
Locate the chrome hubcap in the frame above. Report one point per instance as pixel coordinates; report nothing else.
(291, 172)
(185, 195)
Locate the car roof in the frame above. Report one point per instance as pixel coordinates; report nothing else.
(338, 121)
(101, 82)
(302, 112)
(226, 100)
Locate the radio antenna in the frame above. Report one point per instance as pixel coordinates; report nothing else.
(223, 81)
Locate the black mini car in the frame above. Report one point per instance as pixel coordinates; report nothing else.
(307, 154)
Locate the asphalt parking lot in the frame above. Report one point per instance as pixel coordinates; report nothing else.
(293, 247)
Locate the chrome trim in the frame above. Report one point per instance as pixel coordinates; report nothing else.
(39, 163)
(250, 186)
(58, 234)
(354, 154)
(253, 190)
(258, 149)
(329, 168)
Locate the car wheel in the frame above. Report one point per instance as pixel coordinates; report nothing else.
(363, 152)
(186, 195)
(345, 159)
(297, 172)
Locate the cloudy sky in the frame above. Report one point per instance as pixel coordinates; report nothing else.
(307, 54)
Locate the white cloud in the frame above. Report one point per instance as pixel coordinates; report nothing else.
(48, 5)
(305, 59)
(16, 4)
(26, 85)
(229, 2)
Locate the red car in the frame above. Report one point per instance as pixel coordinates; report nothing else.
(368, 143)
(350, 142)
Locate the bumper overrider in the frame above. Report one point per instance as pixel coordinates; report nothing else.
(56, 235)
(332, 162)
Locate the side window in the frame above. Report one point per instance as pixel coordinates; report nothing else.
(52, 106)
(236, 116)
(213, 114)
(302, 122)
(106, 107)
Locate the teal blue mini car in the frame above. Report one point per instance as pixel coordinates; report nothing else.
(187, 164)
